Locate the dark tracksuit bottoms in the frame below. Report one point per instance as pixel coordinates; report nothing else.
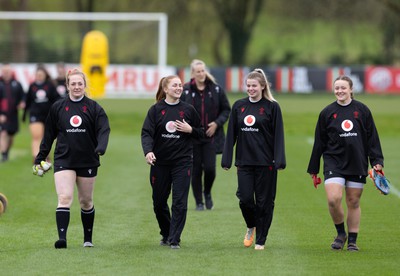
(163, 179)
(204, 159)
(256, 193)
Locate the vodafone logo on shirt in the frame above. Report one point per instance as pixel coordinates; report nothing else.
(75, 121)
(170, 127)
(41, 96)
(347, 125)
(249, 120)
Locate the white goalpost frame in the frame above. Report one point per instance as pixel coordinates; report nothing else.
(162, 19)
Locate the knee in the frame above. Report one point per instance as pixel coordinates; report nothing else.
(64, 200)
(86, 203)
(334, 201)
(353, 203)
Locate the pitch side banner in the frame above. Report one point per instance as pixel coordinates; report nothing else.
(382, 79)
(123, 81)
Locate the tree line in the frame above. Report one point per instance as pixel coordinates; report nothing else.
(227, 31)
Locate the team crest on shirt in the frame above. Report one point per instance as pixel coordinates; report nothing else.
(75, 121)
(347, 125)
(249, 120)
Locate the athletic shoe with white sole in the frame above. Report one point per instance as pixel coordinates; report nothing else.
(175, 246)
(259, 247)
(88, 244)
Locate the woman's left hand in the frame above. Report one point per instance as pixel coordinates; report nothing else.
(378, 167)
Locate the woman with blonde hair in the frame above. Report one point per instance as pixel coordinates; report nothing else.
(210, 101)
(256, 127)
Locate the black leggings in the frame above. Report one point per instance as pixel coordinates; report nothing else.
(204, 160)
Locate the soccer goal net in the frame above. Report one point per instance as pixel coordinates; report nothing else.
(134, 39)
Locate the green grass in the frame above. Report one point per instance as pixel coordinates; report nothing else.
(126, 232)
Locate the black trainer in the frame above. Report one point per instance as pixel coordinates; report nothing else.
(209, 202)
(164, 242)
(352, 247)
(60, 244)
(339, 242)
(200, 207)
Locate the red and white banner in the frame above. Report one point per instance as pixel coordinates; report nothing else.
(123, 80)
(382, 79)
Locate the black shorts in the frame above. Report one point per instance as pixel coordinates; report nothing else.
(82, 172)
(11, 128)
(352, 178)
(37, 119)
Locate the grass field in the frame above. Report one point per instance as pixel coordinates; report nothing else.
(126, 232)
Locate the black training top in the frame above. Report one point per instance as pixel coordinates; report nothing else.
(257, 130)
(346, 136)
(160, 136)
(39, 99)
(11, 95)
(82, 131)
(212, 106)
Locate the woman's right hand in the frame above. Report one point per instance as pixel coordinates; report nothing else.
(150, 158)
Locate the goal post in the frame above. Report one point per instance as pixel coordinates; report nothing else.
(140, 54)
(161, 18)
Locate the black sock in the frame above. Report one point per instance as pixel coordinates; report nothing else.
(62, 219)
(352, 237)
(340, 229)
(87, 217)
(4, 156)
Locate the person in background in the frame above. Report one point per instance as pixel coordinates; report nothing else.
(210, 101)
(345, 136)
(256, 127)
(60, 81)
(11, 100)
(40, 97)
(82, 130)
(167, 141)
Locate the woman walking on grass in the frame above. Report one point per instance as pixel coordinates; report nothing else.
(81, 128)
(167, 134)
(256, 127)
(346, 137)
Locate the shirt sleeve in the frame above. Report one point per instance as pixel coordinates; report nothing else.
(50, 134)
(231, 137)
(148, 131)
(197, 130)
(374, 145)
(102, 130)
(225, 108)
(318, 148)
(279, 143)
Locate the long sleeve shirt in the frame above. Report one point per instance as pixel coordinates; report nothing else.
(82, 132)
(346, 137)
(160, 136)
(257, 130)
